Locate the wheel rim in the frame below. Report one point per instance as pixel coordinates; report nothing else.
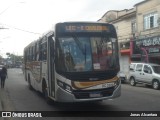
(132, 81)
(155, 85)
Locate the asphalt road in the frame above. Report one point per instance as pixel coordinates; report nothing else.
(16, 96)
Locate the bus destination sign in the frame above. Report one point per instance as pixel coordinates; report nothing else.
(86, 28)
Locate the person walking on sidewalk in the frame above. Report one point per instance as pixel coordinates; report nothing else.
(3, 75)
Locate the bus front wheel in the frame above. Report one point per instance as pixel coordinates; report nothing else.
(45, 93)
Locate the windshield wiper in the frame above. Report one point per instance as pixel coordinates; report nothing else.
(80, 47)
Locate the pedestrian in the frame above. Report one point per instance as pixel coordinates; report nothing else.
(3, 75)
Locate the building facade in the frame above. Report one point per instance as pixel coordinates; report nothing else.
(123, 21)
(146, 44)
(138, 32)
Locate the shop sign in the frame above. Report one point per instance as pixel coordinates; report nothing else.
(151, 45)
(149, 41)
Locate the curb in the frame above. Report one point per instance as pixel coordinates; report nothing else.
(1, 102)
(1, 109)
(1, 105)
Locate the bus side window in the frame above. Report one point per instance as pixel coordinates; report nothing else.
(29, 54)
(37, 52)
(32, 54)
(43, 51)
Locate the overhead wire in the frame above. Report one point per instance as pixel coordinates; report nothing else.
(21, 29)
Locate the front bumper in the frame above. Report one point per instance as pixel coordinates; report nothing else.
(64, 96)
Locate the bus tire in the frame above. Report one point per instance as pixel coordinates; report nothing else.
(29, 83)
(45, 93)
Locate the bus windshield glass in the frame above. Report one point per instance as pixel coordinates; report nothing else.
(86, 53)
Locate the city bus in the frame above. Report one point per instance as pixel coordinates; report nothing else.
(75, 62)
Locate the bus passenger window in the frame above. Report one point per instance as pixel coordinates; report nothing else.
(43, 51)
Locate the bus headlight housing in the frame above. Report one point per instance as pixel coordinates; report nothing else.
(64, 86)
(117, 82)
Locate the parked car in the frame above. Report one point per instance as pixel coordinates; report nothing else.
(146, 73)
(122, 77)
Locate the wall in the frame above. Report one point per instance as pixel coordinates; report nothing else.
(150, 6)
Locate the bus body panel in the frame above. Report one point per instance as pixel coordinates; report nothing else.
(34, 74)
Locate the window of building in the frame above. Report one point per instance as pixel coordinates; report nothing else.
(124, 45)
(150, 21)
(133, 26)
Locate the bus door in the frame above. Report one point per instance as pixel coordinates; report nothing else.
(51, 71)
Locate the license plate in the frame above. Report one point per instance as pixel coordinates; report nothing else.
(94, 95)
(107, 85)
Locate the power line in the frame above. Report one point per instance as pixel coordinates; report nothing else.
(22, 29)
(4, 10)
(3, 28)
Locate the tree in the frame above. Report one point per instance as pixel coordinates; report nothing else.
(1, 59)
(7, 54)
(14, 58)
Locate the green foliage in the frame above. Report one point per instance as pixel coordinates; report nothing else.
(14, 57)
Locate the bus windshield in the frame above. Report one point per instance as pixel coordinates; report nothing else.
(81, 54)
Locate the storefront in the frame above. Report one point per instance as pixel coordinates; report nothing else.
(146, 50)
(124, 58)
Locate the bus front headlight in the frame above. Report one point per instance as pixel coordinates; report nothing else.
(117, 82)
(64, 86)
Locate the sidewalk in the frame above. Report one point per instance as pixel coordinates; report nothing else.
(1, 100)
(4, 103)
(1, 108)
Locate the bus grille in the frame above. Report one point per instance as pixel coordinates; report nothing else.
(85, 94)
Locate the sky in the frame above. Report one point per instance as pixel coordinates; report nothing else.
(27, 20)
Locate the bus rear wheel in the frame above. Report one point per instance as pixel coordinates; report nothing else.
(29, 83)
